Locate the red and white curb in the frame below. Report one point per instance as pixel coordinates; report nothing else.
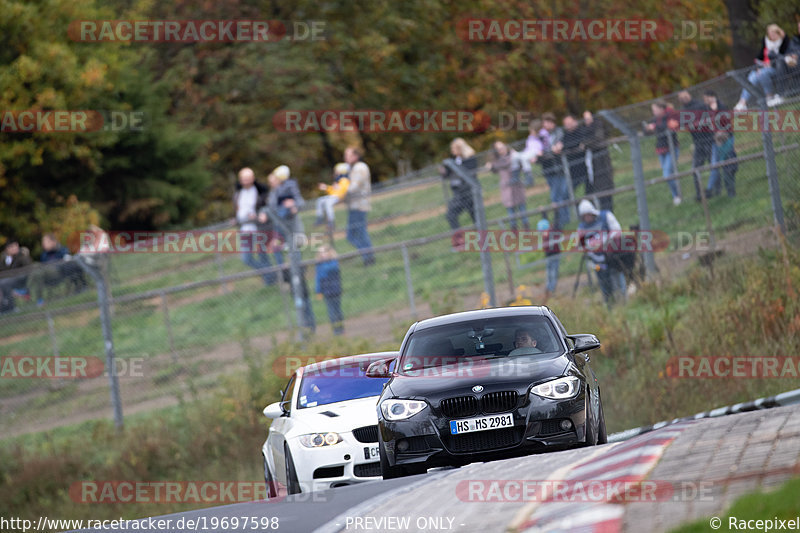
(628, 462)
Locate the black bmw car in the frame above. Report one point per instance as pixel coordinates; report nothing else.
(483, 385)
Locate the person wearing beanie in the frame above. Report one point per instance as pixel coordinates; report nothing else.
(336, 193)
(552, 251)
(597, 230)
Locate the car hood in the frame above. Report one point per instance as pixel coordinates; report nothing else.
(505, 373)
(338, 417)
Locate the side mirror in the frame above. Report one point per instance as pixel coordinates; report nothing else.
(379, 369)
(273, 410)
(584, 342)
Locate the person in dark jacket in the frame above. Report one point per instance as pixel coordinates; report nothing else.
(464, 158)
(663, 125)
(329, 286)
(721, 121)
(575, 151)
(599, 169)
(702, 136)
(552, 145)
(55, 266)
(249, 198)
(788, 76)
(726, 151)
(552, 251)
(13, 274)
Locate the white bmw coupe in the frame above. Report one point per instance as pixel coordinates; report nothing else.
(324, 431)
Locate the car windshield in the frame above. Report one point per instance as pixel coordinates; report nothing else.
(515, 336)
(330, 384)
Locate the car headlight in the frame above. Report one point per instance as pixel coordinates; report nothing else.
(558, 389)
(318, 440)
(401, 409)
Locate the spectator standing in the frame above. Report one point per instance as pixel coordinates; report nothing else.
(721, 122)
(664, 124)
(329, 286)
(600, 172)
(575, 151)
(702, 136)
(552, 252)
(552, 144)
(598, 229)
(13, 275)
(773, 48)
(532, 151)
(358, 195)
(726, 151)
(512, 191)
(250, 196)
(461, 200)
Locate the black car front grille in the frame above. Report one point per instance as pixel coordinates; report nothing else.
(484, 440)
(499, 402)
(366, 434)
(328, 471)
(492, 402)
(459, 406)
(367, 470)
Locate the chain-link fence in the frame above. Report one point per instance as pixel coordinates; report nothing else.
(177, 322)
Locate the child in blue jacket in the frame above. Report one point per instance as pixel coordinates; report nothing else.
(329, 286)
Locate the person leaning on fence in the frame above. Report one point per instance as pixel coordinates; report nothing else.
(13, 274)
(284, 199)
(55, 266)
(725, 152)
(357, 198)
(600, 172)
(722, 122)
(552, 144)
(250, 196)
(575, 151)
(461, 200)
(552, 253)
(335, 193)
(702, 135)
(512, 192)
(599, 230)
(663, 125)
(773, 47)
(329, 286)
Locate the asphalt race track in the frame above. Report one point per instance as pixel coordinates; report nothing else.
(655, 481)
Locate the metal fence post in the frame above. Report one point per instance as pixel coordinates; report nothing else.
(480, 224)
(409, 283)
(108, 341)
(638, 180)
(769, 150)
(168, 326)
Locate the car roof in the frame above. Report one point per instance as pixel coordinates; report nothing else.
(466, 316)
(347, 360)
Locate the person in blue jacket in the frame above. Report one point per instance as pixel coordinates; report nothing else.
(329, 286)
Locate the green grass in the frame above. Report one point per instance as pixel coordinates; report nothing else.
(780, 504)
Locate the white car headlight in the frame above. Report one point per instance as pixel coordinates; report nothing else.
(318, 440)
(558, 389)
(401, 409)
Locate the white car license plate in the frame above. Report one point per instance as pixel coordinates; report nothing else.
(371, 452)
(480, 424)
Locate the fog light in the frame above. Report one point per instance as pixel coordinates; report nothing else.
(566, 424)
(402, 445)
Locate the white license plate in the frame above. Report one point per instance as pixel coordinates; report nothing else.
(483, 423)
(371, 452)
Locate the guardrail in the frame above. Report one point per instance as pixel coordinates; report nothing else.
(780, 400)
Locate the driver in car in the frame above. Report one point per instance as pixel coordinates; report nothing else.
(524, 343)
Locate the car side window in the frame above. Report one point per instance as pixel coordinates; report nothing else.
(288, 393)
